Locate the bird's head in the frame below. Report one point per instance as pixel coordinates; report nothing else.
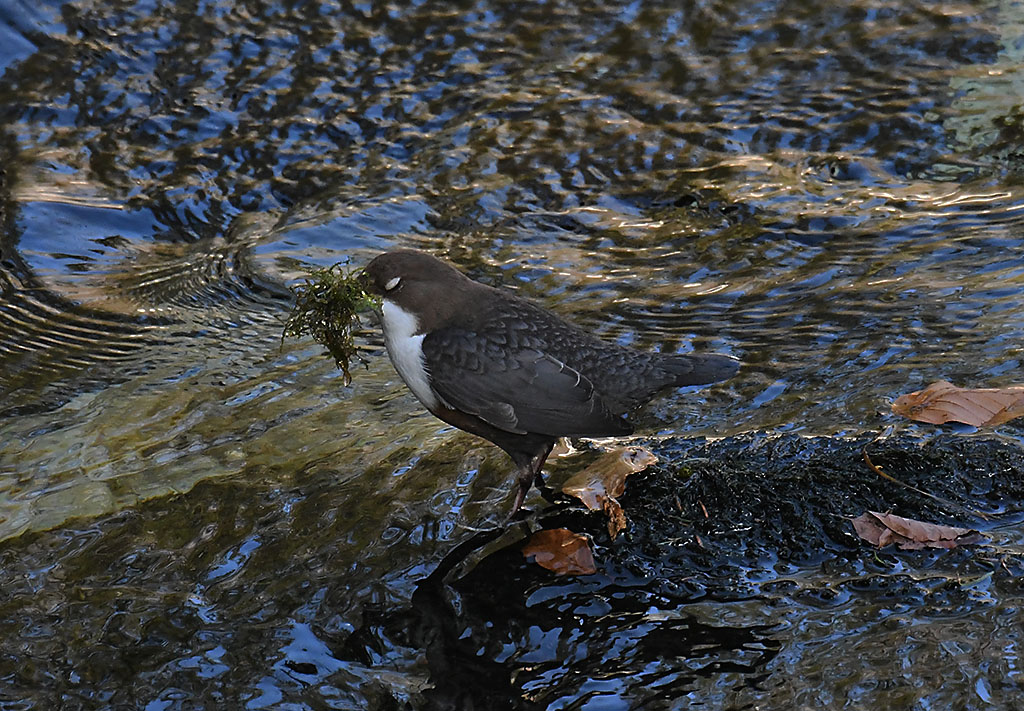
(417, 282)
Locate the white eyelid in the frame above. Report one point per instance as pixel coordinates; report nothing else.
(392, 283)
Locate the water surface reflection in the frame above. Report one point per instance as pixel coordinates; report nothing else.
(194, 513)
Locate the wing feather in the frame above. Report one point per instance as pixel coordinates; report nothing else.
(518, 390)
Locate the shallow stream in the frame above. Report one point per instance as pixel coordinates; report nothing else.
(195, 514)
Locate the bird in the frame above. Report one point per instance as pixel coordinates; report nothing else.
(498, 366)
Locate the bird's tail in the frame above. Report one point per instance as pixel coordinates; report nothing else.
(696, 369)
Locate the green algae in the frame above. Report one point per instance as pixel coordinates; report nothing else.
(327, 307)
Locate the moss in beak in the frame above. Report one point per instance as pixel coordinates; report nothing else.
(327, 306)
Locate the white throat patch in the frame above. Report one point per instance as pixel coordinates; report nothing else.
(405, 348)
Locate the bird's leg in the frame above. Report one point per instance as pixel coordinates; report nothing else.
(524, 478)
(529, 473)
(538, 465)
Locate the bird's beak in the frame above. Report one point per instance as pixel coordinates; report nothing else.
(373, 294)
(366, 282)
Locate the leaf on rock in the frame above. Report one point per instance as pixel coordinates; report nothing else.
(602, 482)
(562, 448)
(561, 551)
(944, 402)
(882, 529)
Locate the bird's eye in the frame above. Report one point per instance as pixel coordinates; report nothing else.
(392, 283)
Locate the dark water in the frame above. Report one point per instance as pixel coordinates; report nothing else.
(197, 515)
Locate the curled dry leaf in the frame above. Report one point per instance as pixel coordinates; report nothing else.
(944, 402)
(607, 475)
(562, 448)
(882, 529)
(602, 482)
(561, 551)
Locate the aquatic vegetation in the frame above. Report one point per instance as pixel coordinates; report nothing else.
(327, 306)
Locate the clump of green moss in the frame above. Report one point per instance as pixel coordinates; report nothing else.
(327, 306)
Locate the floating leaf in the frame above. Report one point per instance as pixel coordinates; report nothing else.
(326, 308)
(602, 482)
(883, 529)
(944, 402)
(561, 551)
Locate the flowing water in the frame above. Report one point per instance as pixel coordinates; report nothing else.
(195, 514)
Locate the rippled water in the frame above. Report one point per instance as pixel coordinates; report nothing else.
(831, 193)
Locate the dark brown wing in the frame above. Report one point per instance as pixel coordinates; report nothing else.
(516, 389)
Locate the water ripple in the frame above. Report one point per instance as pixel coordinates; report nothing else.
(829, 192)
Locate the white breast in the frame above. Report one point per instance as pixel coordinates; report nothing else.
(405, 348)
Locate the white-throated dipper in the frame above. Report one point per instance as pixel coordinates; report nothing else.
(493, 364)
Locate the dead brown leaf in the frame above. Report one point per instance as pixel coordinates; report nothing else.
(881, 529)
(944, 402)
(607, 475)
(562, 448)
(561, 551)
(599, 485)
